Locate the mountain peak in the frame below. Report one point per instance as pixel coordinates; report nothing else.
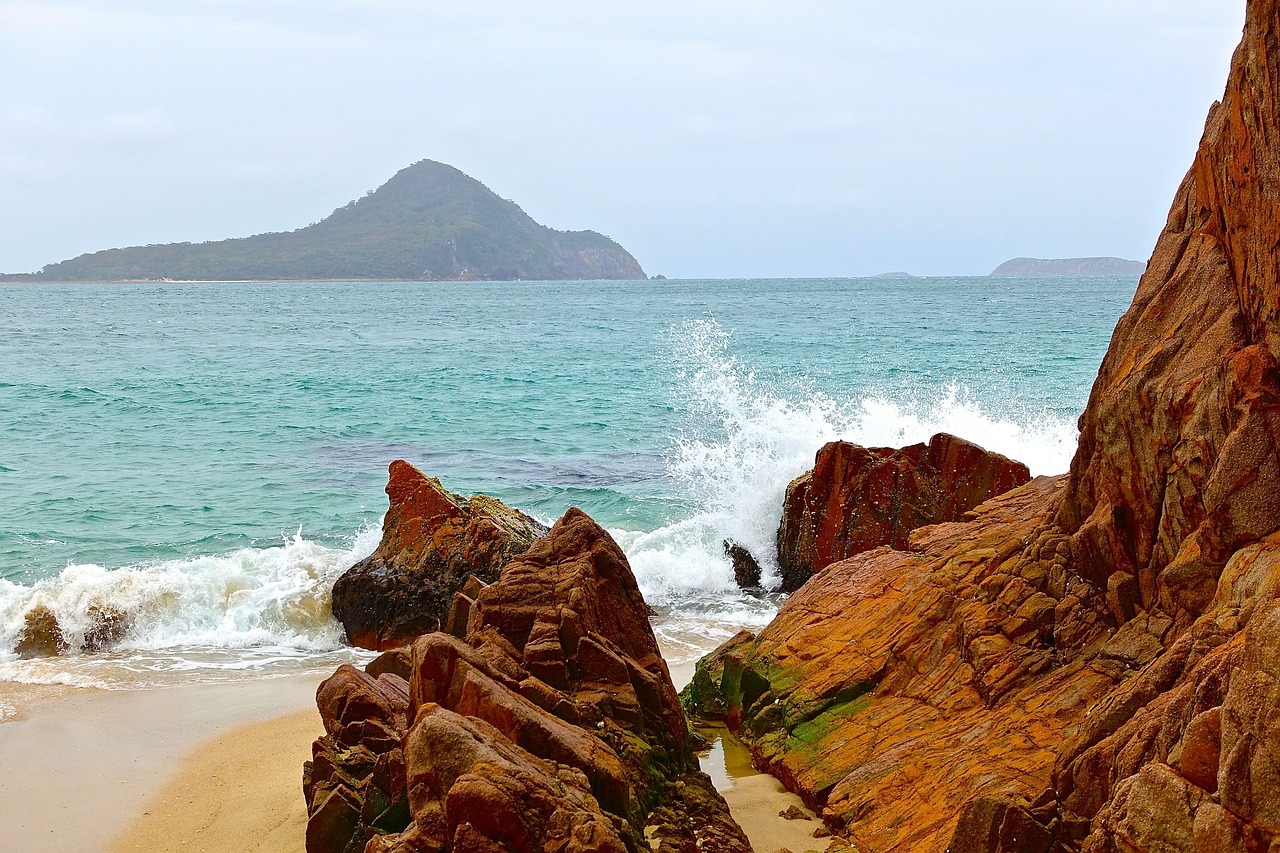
(429, 221)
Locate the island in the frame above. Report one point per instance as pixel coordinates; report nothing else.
(1067, 267)
(429, 222)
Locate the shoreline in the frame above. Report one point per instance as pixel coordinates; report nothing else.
(80, 764)
(218, 767)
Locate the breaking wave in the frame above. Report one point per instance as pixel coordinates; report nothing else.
(267, 605)
(746, 437)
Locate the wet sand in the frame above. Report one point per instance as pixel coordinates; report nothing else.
(239, 793)
(218, 767)
(756, 798)
(79, 765)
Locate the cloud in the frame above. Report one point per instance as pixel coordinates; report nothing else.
(875, 129)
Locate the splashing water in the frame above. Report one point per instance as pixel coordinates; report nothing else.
(253, 609)
(311, 424)
(748, 437)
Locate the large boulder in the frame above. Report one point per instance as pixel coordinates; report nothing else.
(897, 685)
(432, 542)
(1087, 662)
(858, 498)
(544, 718)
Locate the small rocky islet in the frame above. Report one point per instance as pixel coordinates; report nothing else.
(971, 660)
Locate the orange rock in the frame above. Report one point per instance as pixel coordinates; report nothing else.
(896, 686)
(432, 542)
(858, 498)
(1090, 663)
(41, 635)
(551, 724)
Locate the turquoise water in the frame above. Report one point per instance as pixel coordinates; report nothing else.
(211, 454)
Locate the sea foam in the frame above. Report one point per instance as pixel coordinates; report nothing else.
(273, 601)
(747, 437)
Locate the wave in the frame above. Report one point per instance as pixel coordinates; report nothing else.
(743, 439)
(746, 438)
(273, 600)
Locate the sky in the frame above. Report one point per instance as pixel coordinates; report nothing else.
(712, 139)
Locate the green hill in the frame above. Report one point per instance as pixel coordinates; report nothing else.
(430, 221)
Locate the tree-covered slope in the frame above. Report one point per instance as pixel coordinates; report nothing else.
(430, 221)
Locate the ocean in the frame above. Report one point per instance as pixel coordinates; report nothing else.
(208, 458)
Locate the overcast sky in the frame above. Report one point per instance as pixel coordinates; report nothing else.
(718, 139)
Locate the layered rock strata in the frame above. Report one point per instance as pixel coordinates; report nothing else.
(545, 719)
(858, 498)
(1091, 662)
(432, 542)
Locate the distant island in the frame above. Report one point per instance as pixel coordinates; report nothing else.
(1073, 267)
(429, 222)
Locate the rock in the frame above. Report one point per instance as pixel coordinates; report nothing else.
(999, 825)
(793, 813)
(702, 697)
(1090, 662)
(432, 543)
(896, 686)
(1177, 466)
(857, 498)
(746, 571)
(41, 635)
(108, 626)
(354, 785)
(551, 724)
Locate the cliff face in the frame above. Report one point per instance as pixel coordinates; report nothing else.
(1092, 662)
(1177, 465)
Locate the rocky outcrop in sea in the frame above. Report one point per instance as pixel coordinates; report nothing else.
(858, 498)
(543, 718)
(433, 541)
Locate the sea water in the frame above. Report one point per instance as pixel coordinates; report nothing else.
(208, 458)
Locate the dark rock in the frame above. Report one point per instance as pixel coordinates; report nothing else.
(746, 571)
(108, 626)
(433, 542)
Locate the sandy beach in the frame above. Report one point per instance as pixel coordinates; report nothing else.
(238, 793)
(218, 768)
(79, 766)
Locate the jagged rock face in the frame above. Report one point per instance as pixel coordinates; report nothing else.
(859, 498)
(1178, 465)
(354, 784)
(432, 541)
(1092, 665)
(545, 719)
(43, 636)
(897, 685)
